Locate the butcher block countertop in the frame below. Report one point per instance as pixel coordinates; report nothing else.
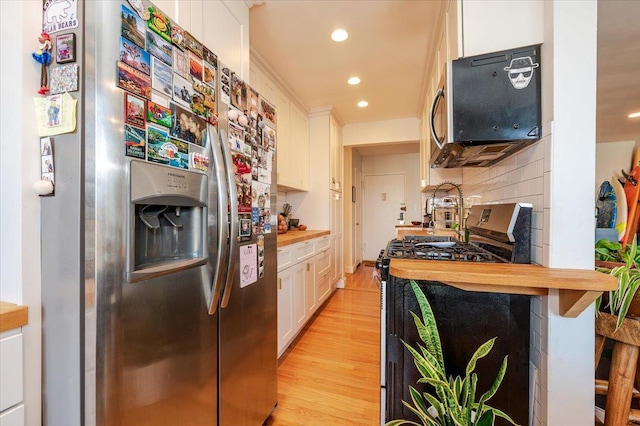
(578, 287)
(12, 316)
(293, 237)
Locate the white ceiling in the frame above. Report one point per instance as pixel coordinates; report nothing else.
(388, 48)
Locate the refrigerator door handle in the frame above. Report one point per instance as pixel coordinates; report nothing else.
(219, 269)
(234, 249)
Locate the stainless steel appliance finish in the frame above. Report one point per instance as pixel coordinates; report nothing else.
(134, 331)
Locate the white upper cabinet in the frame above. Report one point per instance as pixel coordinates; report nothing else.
(292, 138)
(335, 155)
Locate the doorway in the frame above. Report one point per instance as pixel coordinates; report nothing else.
(357, 229)
(383, 195)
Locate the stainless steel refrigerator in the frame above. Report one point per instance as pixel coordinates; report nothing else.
(148, 318)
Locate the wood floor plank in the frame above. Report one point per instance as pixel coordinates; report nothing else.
(330, 375)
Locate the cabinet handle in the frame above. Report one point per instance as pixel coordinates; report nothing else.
(308, 267)
(279, 283)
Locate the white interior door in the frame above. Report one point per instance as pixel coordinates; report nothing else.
(357, 229)
(383, 195)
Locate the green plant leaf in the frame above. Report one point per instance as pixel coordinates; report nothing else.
(500, 413)
(486, 419)
(481, 352)
(433, 340)
(496, 384)
(401, 422)
(418, 402)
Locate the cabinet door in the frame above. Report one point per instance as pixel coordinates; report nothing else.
(335, 155)
(309, 287)
(337, 264)
(10, 369)
(282, 139)
(285, 313)
(299, 310)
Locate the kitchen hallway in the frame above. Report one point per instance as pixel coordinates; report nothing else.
(330, 375)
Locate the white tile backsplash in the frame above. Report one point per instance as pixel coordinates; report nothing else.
(522, 178)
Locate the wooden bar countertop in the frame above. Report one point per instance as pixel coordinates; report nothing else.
(578, 287)
(292, 237)
(12, 316)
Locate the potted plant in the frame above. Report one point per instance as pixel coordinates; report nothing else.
(454, 402)
(621, 262)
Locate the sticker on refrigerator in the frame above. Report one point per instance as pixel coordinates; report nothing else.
(238, 92)
(268, 112)
(242, 171)
(195, 66)
(181, 63)
(244, 227)
(224, 85)
(192, 44)
(260, 244)
(166, 151)
(135, 142)
(140, 9)
(133, 27)
(236, 137)
(157, 114)
(46, 155)
(60, 15)
(64, 79)
(209, 57)
(248, 266)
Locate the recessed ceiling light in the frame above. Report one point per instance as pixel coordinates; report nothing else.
(353, 81)
(339, 35)
(363, 104)
(634, 115)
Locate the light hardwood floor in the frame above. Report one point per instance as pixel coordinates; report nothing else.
(330, 375)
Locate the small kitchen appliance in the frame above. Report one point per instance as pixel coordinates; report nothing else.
(498, 233)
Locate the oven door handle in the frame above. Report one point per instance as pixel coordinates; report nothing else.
(376, 278)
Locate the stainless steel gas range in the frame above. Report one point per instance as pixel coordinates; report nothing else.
(499, 233)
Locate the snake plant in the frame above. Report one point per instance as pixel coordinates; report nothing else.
(628, 275)
(454, 402)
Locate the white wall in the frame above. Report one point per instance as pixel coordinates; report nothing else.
(386, 131)
(20, 23)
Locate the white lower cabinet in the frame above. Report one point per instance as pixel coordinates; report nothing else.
(303, 285)
(285, 314)
(11, 384)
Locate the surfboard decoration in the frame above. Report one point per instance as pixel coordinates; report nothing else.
(606, 205)
(621, 208)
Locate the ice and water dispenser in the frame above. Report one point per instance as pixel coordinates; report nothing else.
(167, 221)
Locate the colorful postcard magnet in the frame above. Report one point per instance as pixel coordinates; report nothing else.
(192, 44)
(268, 112)
(177, 36)
(209, 57)
(64, 78)
(242, 171)
(225, 81)
(60, 15)
(134, 81)
(135, 110)
(238, 92)
(244, 228)
(159, 47)
(182, 91)
(187, 126)
(54, 110)
(236, 137)
(181, 63)
(161, 77)
(195, 66)
(248, 265)
(157, 114)
(159, 23)
(135, 141)
(134, 56)
(66, 48)
(161, 149)
(133, 27)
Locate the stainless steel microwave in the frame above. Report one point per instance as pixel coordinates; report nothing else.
(486, 108)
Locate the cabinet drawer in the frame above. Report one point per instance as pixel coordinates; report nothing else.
(323, 243)
(285, 258)
(323, 263)
(304, 251)
(323, 288)
(10, 369)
